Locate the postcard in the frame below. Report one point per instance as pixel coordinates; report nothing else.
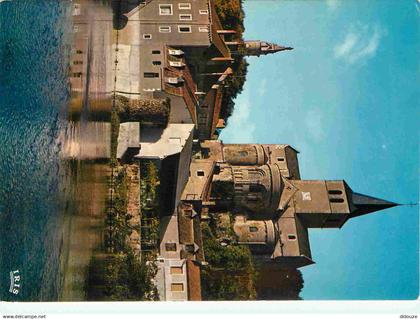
(208, 150)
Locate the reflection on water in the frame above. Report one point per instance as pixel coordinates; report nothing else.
(52, 187)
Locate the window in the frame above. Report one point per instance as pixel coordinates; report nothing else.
(335, 192)
(184, 29)
(177, 287)
(170, 246)
(147, 36)
(200, 173)
(155, 52)
(243, 153)
(185, 17)
(77, 75)
(151, 75)
(253, 229)
(156, 63)
(291, 237)
(204, 11)
(280, 159)
(75, 28)
(336, 200)
(77, 62)
(165, 9)
(76, 9)
(184, 6)
(203, 29)
(176, 270)
(254, 188)
(79, 51)
(164, 29)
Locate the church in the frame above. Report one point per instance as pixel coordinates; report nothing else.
(273, 208)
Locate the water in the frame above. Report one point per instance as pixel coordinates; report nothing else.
(51, 190)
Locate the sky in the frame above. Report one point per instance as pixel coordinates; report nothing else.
(346, 97)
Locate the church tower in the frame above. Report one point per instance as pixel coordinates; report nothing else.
(329, 204)
(257, 48)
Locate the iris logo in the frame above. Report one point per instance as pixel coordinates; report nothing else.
(14, 282)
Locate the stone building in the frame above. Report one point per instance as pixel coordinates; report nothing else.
(178, 51)
(273, 208)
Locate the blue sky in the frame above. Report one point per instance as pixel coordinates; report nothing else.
(346, 97)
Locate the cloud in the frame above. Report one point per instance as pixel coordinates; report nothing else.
(315, 126)
(360, 43)
(332, 5)
(241, 127)
(263, 87)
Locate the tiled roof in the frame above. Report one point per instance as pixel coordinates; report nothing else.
(194, 281)
(215, 37)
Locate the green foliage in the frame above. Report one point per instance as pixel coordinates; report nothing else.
(232, 17)
(275, 283)
(115, 128)
(118, 277)
(230, 274)
(149, 203)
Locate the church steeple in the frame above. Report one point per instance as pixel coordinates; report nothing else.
(257, 48)
(363, 204)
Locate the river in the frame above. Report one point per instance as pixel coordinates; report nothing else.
(53, 172)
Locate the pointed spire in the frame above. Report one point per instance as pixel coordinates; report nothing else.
(363, 204)
(257, 48)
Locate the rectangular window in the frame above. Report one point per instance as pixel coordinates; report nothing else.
(76, 9)
(253, 229)
(200, 173)
(184, 6)
(164, 29)
(203, 29)
(165, 9)
(176, 270)
(184, 29)
(155, 52)
(185, 17)
(151, 75)
(156, 62)
(291, 237)
(170, 246)
(204, 11)
(280, 159)
(177, 287)
(147, 36)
